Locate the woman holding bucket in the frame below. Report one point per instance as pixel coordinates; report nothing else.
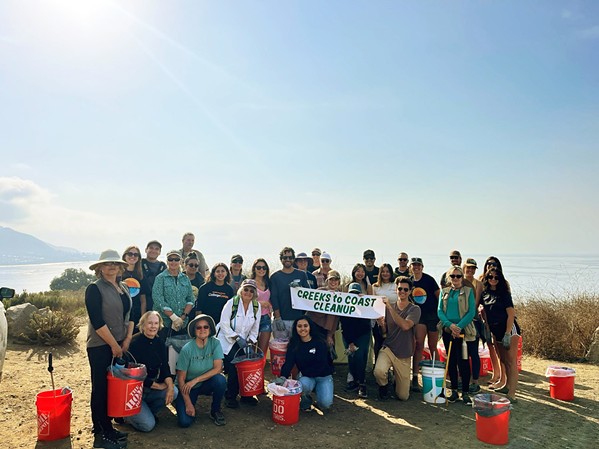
(199, 372)
(109, 334)
(501, 316)
(456, 312)
(159, 389)
(310, 353)
(239, 324)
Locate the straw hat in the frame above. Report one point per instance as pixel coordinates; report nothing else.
(192, 324)
(108, 255)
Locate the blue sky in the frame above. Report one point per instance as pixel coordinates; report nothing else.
(394, 125)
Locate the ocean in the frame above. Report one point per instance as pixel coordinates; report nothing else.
(528, 275)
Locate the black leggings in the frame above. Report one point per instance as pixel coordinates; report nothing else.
(455, 360)
(100, 359)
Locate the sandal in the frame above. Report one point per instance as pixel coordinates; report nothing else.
(502, 390)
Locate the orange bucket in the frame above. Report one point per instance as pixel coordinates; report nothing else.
(519, 354)
(53, 414)
(124, 396)
(561, 382)
(285, 409)
(278, 352)
(493, 429)
(251, 376)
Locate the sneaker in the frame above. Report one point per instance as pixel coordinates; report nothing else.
(232, 403)
(383, 393)
(218, 418)
(362, 392)
(119, 420)
(104, 441)
(305, 403)
(503, 390)
(415, 387)
(474, 388)
(454, 397)
(466, 399)
(118, 435)
(249, 400)
(352, 386)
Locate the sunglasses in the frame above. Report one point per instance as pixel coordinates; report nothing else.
(493, 278)
(454, 257)
(316, 254)
(287, 257)
(455, 276)
(325, 261)
(403, 289)
(237, 261)
(491, 264)
(402, 259)
(248, 289)
(199, 328)
(111, 264)
(260, 267)
(369, 258)
(130, 254)
(174, 259)
(193, 265)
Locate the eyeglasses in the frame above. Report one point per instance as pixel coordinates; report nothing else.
(325, 261)
(260, 267)
(199, 328)
(455, 276)
(248, 289)
(403, 289)
(130, 254)
(237, 261)
(287, 257)
(403, 259)
(493, 278)
(193, 265)
(454, 257)
(174, 259)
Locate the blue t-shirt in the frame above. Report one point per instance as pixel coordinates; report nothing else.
(197, 361)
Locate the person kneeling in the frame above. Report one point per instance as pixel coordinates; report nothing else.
(199, 372)
(398, 346)
(309, 351)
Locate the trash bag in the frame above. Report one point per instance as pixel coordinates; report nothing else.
(489, 404)
(560, 371)
(289, 388)
(177, 342)
(242, 355)
(132, 371)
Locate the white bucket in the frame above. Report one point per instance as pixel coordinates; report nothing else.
(432, 381)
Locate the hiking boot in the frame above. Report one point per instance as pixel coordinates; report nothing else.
(118, 435)
(352, 386)
(454, 397)
(218, 418)
(474, 388)
(466, 399)
(362, 392)
(104, 441)
(415, 387)
(232, 403)
(249, 400)
(383, 393)
(305, 403)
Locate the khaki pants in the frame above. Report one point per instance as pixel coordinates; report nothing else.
(401, 368)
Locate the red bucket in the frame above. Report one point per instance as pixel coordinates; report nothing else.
(53, 414)
(285, 409)
(561, 388)
(278, 351)
(493, 429)
(519, 354)
(124, 396)
(251, 376)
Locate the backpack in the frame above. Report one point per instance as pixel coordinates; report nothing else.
(235, 307)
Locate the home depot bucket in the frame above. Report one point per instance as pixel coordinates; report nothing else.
(561, 382)
(285, 409)
(54, 414)
(250, 372)
(492, 418)
(432, 381)
(125, 390)
(519, 354)
(278, 350)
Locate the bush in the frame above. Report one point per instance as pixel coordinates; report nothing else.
(558, 328)
(72, 279)
(66, 301)
(51, 329)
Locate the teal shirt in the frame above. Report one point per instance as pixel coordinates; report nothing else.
(196, 361)
(452, 315)
(171, 293)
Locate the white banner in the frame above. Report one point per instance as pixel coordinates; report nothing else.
(337, 303)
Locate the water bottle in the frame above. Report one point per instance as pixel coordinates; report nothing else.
(119, 363)
(464, 349)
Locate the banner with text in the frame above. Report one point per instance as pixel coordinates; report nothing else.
(337, 303)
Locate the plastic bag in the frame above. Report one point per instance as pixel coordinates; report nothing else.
(489, 404)
(560, 371)
(177, 342)
(132, 371)
(290, 387)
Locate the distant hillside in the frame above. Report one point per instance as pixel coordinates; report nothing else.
(17, 248)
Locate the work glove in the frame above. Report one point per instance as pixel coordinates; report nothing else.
(279, 325)
(506, 341)
(280, 380)
(176, 322)
(294, 284)
(241, 342)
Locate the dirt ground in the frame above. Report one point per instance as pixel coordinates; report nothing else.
(536, 421)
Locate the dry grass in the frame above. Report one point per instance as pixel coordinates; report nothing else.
(71, 302)
(558, 328)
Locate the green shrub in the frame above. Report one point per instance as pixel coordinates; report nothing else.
(72, 279)
(72, 302)
(51, 329)
(558, 328)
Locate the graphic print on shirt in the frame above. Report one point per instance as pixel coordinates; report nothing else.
(312, 351)
(419, 295)
(216, 294)
(134, 286)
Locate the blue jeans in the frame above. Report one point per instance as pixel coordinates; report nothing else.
(357, 361)
(215, 387)
(152, 402)
(323, 387)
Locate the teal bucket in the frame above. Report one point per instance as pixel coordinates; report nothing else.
(432, 381)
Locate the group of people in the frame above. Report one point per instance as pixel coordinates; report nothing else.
(142, 306)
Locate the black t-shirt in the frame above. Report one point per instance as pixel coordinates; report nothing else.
(212, 298)
(312, 359)
(398, 273)
(373, 275)
(495, 306)
(151, 270)
(152, 353)
(425, 297)
(135, 293)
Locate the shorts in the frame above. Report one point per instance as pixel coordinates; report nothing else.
(498, 330)
(430, 323)
(265, 323)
